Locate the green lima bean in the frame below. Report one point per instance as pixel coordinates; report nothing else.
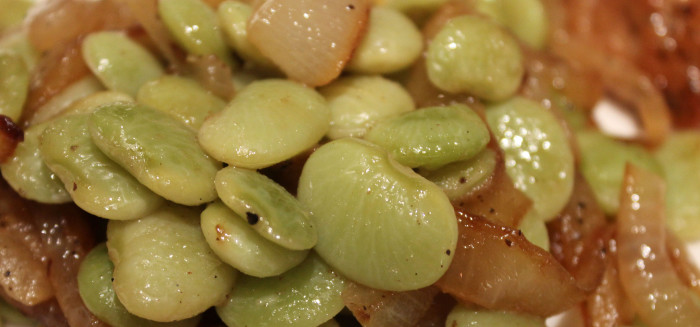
(157, 149)
(164, 270)
(96, 183)
(236, 243)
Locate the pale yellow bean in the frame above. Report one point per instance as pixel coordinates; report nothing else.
(97, 184)
(392, 43)
(237, 244)
(27, 174)
(266, 123)
(233, 18)
(164, 270)
(358, 102)
(181, 98)
(14, 84)
(120, 63)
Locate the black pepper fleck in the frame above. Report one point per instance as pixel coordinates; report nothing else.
(7, 273)
(509, 242)
(448, 252)
(252, 218)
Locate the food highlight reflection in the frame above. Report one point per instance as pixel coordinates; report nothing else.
(361, 162)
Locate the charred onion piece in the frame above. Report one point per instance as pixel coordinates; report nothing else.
(497, 268)
(646, 271)
(319, 36)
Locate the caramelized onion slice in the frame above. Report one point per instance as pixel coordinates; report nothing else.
(579, 235)
(23, 278)
(497, 268)
(686, 270)
(57, 69)
(319, 36)
(66, 237)
(646, 271)
(10, 136)
(375, 308)
(53, 23)
(497, 199)
(146, 13)
(608, 305)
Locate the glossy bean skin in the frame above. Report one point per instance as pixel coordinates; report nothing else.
(233, 18)
(432, 137)
(120, 63)
(603, 162)
(27, 173)
(379, 223)
(463, 177)
(392, 43)
(95, 183)
(305, 296)
(157, 149)
(268, 122)
(14, 84)
(236, 243)
(679, 158)
(95, 286)
(461, 316)
(181, 98)
(538, 156)
(358, 102)
(269, 209)
(474, 55)
(527, 19)
(195, 27)
(164, 269)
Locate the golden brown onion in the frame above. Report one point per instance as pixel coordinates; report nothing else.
(496, 267)
(213, 74)
(496, 199)
(56, 70)
(375, 308)
(646, 271)
(53, 23)
(23, 278)
(579, 235)
(310, 40)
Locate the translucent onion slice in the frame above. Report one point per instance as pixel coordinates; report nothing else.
(578, 236)
(375, 308)
(319, 36)
(497, 268)
(496, 199)
(608, 304)
(646, 271)
(53, 23)
(686, 270)
(24, 278)
(57, 69)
